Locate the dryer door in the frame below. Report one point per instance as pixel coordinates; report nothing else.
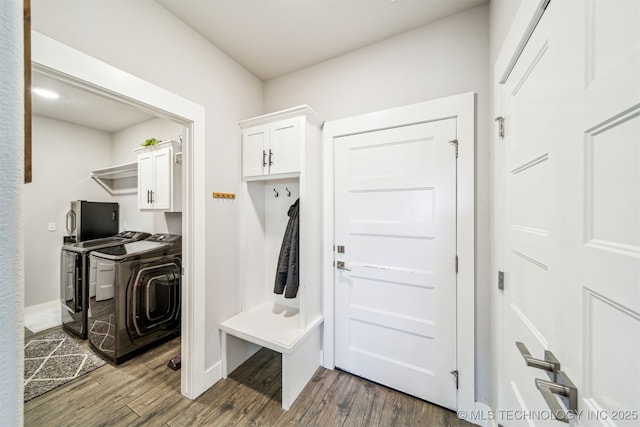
(154, 297)
(71, 281)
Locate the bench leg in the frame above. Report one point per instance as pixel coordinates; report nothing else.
(299, 366)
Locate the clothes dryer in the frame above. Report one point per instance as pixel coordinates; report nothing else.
(137, 301)
(75, 286)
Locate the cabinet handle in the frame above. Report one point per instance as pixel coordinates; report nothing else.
(270, 154)
(264, 158)
(151, 196)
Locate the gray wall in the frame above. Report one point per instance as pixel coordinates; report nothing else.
(445, 58)
(62, 157)
(144, 39)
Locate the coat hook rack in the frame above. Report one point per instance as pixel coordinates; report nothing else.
(288, 192)
(274, 190)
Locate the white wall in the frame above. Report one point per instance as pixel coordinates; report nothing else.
(144, 39)
(437, 60)
(11, 183)
(62, 157)
(124, 143)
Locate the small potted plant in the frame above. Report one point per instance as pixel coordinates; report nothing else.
(149, 142)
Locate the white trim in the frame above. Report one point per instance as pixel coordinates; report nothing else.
(63, 62)
(483, 416)
(524, 23)
(43, 316)
(463, 108)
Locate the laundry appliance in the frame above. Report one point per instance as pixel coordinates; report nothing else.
(75, 286)
(137, 301)
(91, 220)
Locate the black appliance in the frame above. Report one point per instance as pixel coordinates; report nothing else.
(75, 286)
(91, 220)
(137, 301)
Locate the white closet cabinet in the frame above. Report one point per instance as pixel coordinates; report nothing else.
(272, 149)
(160, 177)
(289, 326)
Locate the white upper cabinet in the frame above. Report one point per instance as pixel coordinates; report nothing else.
(160, 177)
(273, 148)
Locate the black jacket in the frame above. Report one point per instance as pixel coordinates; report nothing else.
(287, 278)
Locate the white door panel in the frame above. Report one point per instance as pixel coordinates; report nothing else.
(285, 145)
(572, 211)
(395, 210)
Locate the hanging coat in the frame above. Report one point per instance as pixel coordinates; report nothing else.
(287, 278)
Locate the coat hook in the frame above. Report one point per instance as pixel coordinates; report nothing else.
(274, 190)
(288, 192)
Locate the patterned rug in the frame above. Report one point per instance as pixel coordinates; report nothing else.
(53, 360)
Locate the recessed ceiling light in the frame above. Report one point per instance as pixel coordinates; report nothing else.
(45, 93)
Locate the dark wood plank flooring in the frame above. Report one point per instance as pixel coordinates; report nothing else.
(145, 392)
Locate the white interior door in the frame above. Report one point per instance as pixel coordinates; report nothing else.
(395, 295)
(572, 215)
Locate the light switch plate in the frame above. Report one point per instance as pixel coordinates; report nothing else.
(51, 226)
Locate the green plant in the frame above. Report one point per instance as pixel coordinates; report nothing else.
(150, 141)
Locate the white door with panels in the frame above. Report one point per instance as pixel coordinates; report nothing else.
(395, 236)
(571, 246)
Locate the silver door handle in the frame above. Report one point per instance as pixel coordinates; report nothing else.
(342, 266)
(567, 392)
(550, 362)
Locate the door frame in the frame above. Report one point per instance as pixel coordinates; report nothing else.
(524, 23)
(63, 62)
(461, 107)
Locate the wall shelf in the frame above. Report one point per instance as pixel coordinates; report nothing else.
(120, 179)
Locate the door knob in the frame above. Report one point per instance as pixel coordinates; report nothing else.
(563, 388)
(550, 363)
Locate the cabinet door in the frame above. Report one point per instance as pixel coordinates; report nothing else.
(285, 142)
(255, 142)
(145, 180)
(162, 178)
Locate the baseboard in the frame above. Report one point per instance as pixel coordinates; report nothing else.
(482, 415)
(43, 316)
(213, 375)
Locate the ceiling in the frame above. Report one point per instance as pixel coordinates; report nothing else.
(83, 107)
(269, 38)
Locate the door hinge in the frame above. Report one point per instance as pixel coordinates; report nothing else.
(183, 271)
(501, 280)
(500, 121)
(455, 375)
(456, 263)
(455, 143)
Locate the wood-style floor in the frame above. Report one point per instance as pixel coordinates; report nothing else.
(145, 392)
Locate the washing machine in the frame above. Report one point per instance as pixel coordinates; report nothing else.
(136, 305)
(75, 285)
